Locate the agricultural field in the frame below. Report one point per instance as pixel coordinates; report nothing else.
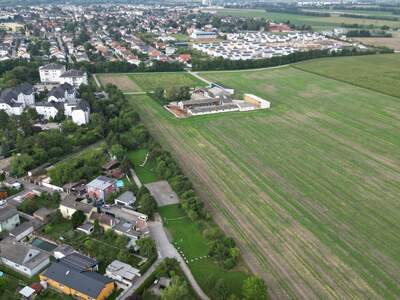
(146, 82)
(375, 72)
(309, 189)
(122, 81)
(318, 23)
(393, 42)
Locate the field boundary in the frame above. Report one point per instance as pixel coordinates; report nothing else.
(343, 81)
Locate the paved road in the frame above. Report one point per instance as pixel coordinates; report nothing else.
(166, 249)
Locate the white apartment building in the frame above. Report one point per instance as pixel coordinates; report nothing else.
(51, 73)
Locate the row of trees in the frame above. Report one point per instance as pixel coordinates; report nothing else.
(367, 33)
(226, 64)
(172, 93)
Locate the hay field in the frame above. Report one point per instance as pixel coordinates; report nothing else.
(375, 72)
(122, 81)
(309, 188)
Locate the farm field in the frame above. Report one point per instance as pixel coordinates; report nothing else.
(318, 23)
(309, 189)
(187, 236)
(122, 81)
(376, 72)
(393, 42)
(145, 82)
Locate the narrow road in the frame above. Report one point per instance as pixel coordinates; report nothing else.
(96, 80)
(136, 178)
(166, 249)
(195, 74)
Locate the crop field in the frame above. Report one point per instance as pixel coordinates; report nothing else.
(309, 189)
(376, 72)
(318, 23)
(122, 81)
(145, 82)
(149, 82)
(393, 42)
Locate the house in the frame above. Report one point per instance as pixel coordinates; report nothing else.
(74, 78)
(14, 100)
(81, 113)
(101, 187)
(23, 258)
(105, 221)
(22, 231)
(69, 205)
(203, 35)
(122, 272)
(51, 73)
(127, 199)
(86, 228)
(80, 262)
(9, 218)
(47, 109)
(82, 285)
(62, 251)
(43, 214)
(62, 93)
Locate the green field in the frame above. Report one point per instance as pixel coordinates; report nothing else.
(309, 189)
(377, 72)
(318, 23)
(145, 173)
(187, 237)
(149, 82)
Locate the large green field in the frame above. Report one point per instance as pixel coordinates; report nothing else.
(309, 188)
(377, 72)
(318, 23)
(146, 82)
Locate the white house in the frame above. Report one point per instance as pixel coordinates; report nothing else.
(9, 218)
(51, 73)
(122, 272)
(199, 35)
(46, 109)
(81, 113)
(74, 78)
(14, 100)
(62, 93)
(23, 258)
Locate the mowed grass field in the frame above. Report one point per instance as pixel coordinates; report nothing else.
(377, 72)
(318, 23)
(309, 189)
(146, 82)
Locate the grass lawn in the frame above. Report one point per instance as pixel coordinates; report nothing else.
(376, 72)
(309, 188)
(187, 237)
(145, 173)
(149, 82)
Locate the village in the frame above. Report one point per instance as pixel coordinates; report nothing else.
(39, 243)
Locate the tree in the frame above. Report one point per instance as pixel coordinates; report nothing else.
(147, 204)
(177, 290)
(78, 218)
(118, 151)
(20, 164)
(254, 288)
(147, 247)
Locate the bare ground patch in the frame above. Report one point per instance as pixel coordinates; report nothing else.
(123, 82)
